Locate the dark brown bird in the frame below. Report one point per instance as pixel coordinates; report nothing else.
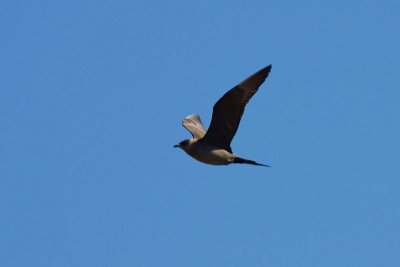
(214, 146)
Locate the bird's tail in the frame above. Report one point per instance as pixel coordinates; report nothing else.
(246, 161)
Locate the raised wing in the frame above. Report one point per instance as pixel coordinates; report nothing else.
(229, 109)
(194, 125)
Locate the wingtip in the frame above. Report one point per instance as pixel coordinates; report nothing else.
(266, 70)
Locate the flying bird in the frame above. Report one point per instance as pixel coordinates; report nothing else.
(213, 146)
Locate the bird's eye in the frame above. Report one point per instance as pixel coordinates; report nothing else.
(184, 143)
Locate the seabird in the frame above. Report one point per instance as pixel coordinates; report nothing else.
(214, 146)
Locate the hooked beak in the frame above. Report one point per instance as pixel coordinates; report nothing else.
(176, 145)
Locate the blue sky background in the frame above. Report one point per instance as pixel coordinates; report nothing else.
(92, 94)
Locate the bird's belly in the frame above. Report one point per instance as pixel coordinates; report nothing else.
(212, 156)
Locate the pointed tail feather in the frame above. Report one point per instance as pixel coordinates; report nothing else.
(246, 161)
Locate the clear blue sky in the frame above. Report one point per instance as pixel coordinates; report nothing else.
(92, 94)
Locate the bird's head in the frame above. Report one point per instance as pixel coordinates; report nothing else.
(184, 144)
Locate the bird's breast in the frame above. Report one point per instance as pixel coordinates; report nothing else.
(210, 155)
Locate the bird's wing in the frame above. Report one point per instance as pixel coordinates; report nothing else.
(229, 109)
(194, 125)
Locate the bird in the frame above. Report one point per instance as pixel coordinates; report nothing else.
(213, 146)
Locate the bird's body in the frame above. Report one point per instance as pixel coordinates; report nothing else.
(213, 146)
(208, 154)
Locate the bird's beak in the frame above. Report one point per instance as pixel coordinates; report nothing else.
(176, 145)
